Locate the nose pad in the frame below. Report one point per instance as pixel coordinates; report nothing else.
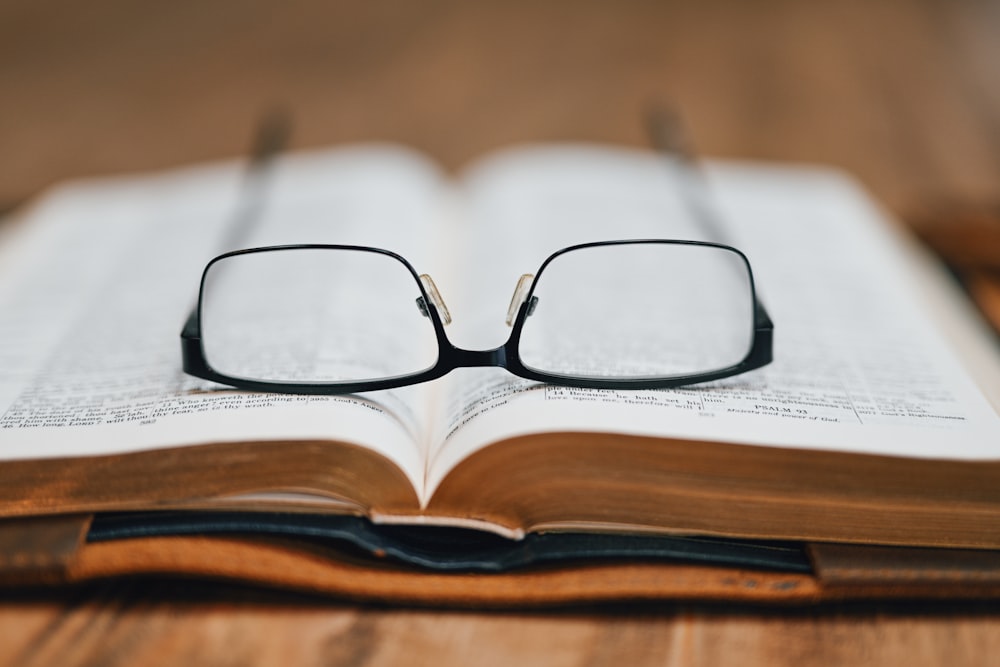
(523, 284)
(435, 297)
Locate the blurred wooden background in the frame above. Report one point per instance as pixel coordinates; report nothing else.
(906, 95)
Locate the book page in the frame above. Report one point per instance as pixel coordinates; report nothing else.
(859, 366)
(98, 279)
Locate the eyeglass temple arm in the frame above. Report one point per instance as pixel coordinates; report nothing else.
(667, 135)
(270, 139)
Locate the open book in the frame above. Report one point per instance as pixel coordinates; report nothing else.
(876, 422)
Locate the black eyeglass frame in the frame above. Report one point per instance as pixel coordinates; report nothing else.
(451, 357)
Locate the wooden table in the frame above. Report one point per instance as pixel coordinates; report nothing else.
(904, 94)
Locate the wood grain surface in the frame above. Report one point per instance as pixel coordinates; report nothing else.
(904, 94)
(159, 622)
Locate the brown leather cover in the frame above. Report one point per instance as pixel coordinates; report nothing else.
(861, 564)
(50, 551)
(41, 545)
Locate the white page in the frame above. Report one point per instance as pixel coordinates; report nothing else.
(859, 363)
(96, 283)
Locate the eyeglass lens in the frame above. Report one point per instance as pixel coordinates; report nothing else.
(314, 315)
(644, 310)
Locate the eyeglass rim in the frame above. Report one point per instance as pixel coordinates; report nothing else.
(759, 352)
(450, 357)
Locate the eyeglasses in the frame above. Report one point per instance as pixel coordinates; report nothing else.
(332, 319)
(328, 319)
